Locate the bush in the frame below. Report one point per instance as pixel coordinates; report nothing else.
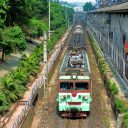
(14, 84)
(125, 120)
(120, 105)
(114, 89)
(4, 102)
(12, 39)
(36, 27)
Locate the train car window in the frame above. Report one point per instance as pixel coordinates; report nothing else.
(66, 86)
(81, 86)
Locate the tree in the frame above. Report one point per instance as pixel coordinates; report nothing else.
(3, 11)
(12, 39)
(40, 8)
(57, 16)
(21, 11)
(70, 12)
(88, 6)
(36, 27)
(18, 12)
(32, 14)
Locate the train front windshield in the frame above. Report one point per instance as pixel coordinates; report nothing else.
(81, 86)
(74, 86)
(66, 86)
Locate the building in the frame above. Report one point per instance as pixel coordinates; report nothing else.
(110, 27)
(105, 3)
(78, 9)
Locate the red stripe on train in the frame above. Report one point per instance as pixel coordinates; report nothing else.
(74, 103)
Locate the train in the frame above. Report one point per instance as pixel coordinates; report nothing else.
(74, 80)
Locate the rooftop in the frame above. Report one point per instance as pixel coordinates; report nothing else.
(115, 8)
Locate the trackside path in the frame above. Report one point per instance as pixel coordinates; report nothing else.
(101, 109)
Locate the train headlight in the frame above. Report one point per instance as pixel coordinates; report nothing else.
(74, 77)
(63, 97)
(85, 97)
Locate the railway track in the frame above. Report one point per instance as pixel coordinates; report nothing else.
(75, 123)
(50, 117)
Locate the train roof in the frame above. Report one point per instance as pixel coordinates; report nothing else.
(77, 42)
(78, 26)
(77, 66)
(78, 31)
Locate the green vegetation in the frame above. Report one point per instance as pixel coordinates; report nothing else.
(22, 18)
(14, 84)
(57, 16)
(20, 11)
(36, 28)
(120, 105)
(12, 39)
(125, 120)
(3, 11)
(89, 6)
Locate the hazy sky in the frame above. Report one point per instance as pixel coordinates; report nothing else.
(79, 0)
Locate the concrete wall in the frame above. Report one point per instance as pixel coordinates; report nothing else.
(28, 119)
(108, 29)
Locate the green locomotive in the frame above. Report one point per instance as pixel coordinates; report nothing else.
(74, 86)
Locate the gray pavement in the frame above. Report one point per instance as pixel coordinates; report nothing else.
(11, 61)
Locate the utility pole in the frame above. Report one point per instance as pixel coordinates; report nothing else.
(49, 20)
(119, 120)
(46, 89)
(68, 23)
(45, 61)
(66, 16)
(45, 47)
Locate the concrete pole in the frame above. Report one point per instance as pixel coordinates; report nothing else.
(119, 120)
(113, 45)
(73, 18)
(49, 35)
(66, 15)
(117, 57)
(68, 24)
(124, 67)
(108, 43)
(45, 61)
(45, 47)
